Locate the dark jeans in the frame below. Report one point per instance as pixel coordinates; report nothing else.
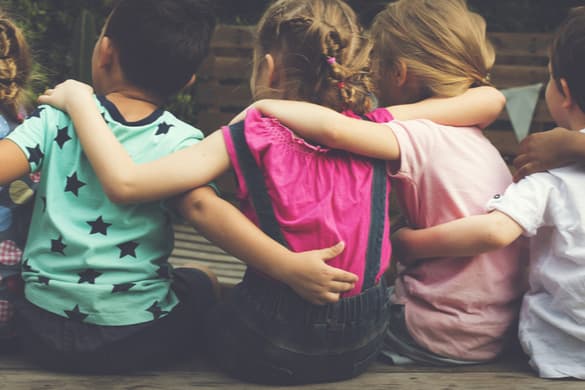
(60, 344)
(266, 333)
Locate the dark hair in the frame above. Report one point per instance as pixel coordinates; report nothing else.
(567, 55)
(161, 43)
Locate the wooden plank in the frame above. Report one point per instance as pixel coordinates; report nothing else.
(532, 45)
(213, 93)
(230, 36)
(507, 76)
(17, 374)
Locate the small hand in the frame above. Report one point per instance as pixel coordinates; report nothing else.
(316, 281)
(65, 94)
(542, 151)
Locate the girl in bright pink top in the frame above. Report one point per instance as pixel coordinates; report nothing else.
(302, 195)
(446, 311)
(317, 195)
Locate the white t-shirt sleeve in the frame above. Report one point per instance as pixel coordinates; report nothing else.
(527, 202)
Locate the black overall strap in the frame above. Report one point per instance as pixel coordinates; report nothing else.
(256, 185)
(377, 221)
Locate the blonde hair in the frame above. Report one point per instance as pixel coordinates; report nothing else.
(15, 68)
(322, 53)
(442, 43)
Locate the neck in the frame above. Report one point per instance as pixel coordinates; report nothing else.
(576, 120)
(133, 105)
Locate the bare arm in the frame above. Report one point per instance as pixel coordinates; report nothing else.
(463, 237)
(547, 150)
(476, 107)
(13, 162)
(330, 128)
(305, 272)
(123, 180)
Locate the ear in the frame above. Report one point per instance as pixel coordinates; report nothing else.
(566, 92)
(105, 51)
(270, 70)
(191, 81)
(400, 73)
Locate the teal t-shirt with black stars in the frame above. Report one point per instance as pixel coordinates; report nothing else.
(87, 258)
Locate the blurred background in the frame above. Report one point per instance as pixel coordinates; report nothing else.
(62, 32)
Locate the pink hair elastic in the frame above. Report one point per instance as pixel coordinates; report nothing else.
(341, 85)
(331, 60)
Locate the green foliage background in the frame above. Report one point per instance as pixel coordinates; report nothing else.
(50, 28)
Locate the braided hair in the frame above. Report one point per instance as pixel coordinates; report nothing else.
(322, 51)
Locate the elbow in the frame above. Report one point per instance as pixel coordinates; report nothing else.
(493, 110)
(119, 197)
(194, 205)
(119, 191)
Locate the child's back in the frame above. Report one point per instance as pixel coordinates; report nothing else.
(447, 173)
(97, 283)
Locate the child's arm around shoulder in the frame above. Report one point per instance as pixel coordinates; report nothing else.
(463, 237)
(547, 150)
(332, 129)
(123, 180)
(305, 272)
(478, 106)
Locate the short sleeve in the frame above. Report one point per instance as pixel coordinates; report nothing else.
(31, 136)
(415, 139)
(527, 202)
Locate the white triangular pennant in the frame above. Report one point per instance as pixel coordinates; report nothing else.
(521, 103)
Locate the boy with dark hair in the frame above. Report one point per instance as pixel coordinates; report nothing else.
(548, 207)
(100, 295)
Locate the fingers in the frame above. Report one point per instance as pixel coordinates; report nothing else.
(324, 299)
(521, 160)
(339, 275)
(340, 287)
(525, 170)
(334, 251)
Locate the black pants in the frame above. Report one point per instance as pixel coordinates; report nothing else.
(266, 333)
(60, 344)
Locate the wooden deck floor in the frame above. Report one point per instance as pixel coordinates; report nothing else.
(15, 374)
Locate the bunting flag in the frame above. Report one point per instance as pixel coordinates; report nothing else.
(521, 104)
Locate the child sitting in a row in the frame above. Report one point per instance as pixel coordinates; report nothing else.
(548, 207)
(15, 197)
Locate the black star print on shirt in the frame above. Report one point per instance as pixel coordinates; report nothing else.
(58, 245)
(99, 226)
(88, 276)
(35, 154)
(123, 287)
(26, 267)
(128, 249)
(37, 113)
(163, 271)
(156, 311)
(73, 184)
(76, 314)
(44, 280)
(163, 128)
(62, 136)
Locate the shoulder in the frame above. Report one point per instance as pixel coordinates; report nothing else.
(168, 121)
